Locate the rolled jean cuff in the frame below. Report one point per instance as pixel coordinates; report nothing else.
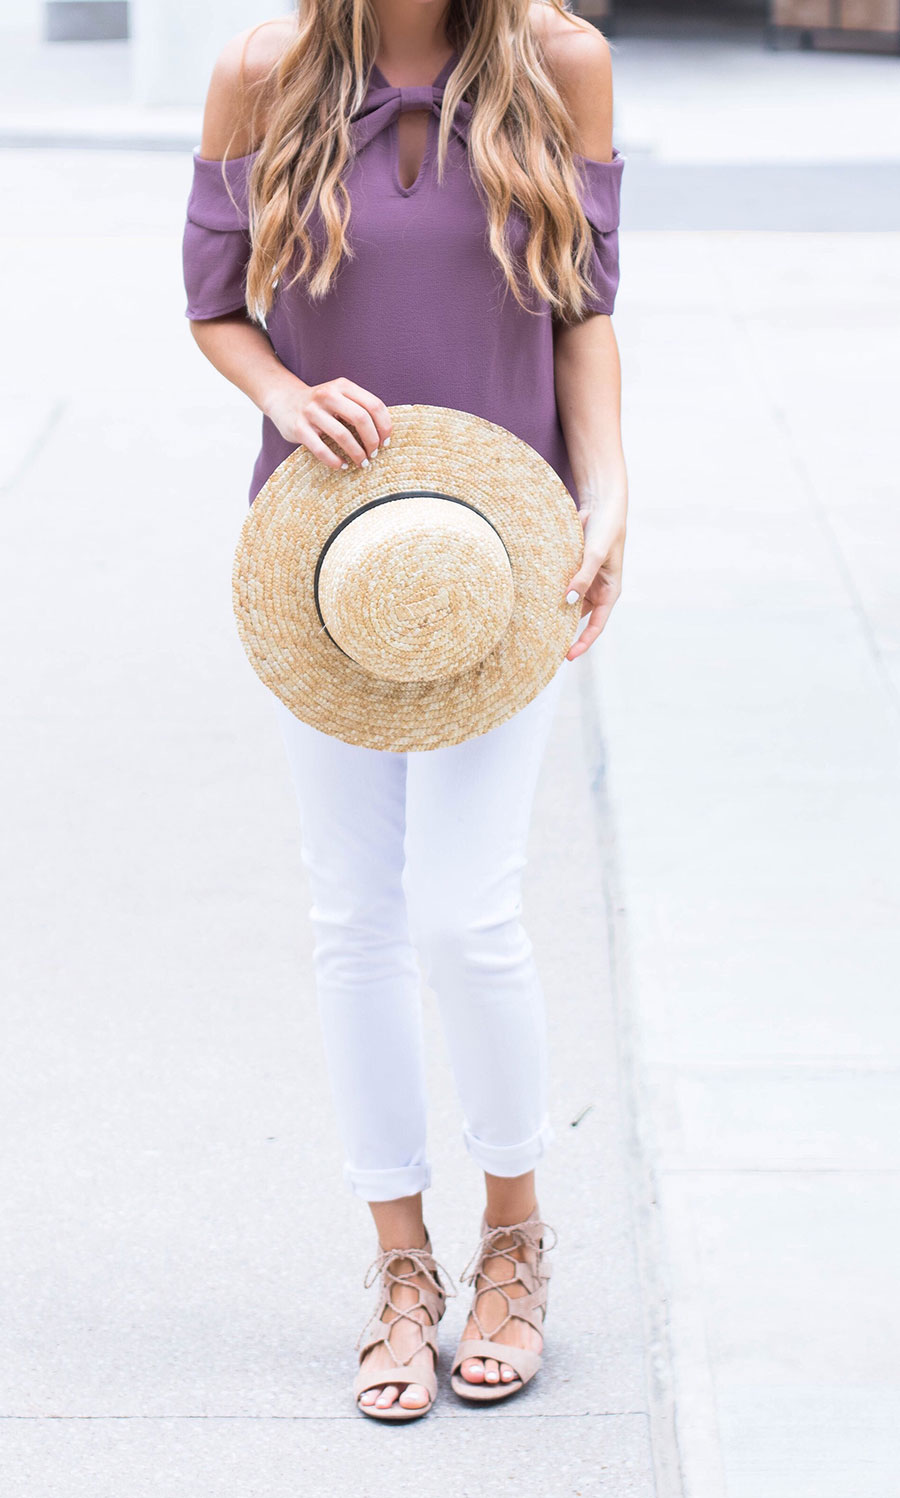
(510, 1159)
(388, 1185)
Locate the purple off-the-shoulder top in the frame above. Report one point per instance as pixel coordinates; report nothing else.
(420, 314)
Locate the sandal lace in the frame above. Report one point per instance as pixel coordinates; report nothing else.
(527, 1234)
(523, 1235)
(423, 1262)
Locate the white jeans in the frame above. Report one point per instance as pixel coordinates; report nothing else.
(423, 852)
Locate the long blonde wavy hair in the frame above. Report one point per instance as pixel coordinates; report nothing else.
(520, 141)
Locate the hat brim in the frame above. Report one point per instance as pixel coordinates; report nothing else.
(297, 509)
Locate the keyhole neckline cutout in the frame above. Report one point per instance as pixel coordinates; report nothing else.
(394, 138)
(424, 103)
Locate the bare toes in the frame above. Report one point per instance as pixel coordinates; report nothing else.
(491, 1371)
(414, 1396)
(369, 1397)
(386, 1397)
(473, 1370)
(507, 1373)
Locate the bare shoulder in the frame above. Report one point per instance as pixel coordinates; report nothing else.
(238, 75)
(577, 57)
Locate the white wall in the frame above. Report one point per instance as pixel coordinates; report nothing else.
(175, 42)
(23, 16)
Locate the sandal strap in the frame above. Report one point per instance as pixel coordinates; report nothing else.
(524, 1360)
(530, 1308)
(431, 1298)
(528, 1233)
(423, 1261)
(419, 1369)
(532, 1275)
(380, 1333)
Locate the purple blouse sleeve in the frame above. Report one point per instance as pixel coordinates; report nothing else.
(601, 183)
(216, 244)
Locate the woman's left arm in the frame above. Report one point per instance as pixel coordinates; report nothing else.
(587, 369)
(588, 394)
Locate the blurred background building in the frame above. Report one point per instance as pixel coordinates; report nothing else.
(171, 45)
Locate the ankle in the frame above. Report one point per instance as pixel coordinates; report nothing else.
(397, 1242)
(502, 1214)
(509, 1199)
(400, 1223)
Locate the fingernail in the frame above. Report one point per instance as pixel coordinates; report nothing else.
(345, 465)
(364, 463)
(386, 442)
(572, 596)
(373, 452)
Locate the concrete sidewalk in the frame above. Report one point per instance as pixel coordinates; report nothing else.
(749, 695)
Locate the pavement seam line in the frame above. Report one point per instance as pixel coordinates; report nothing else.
(288, 1419)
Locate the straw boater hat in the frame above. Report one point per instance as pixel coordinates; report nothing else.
(419, 601)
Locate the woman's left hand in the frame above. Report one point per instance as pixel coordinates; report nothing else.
(598, 582)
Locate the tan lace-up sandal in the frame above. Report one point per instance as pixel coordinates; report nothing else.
(419, 1367)
(533, 1274)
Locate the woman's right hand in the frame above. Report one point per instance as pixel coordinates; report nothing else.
(305, 413)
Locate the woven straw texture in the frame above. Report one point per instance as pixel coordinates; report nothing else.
(441, 623)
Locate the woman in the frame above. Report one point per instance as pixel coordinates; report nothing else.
(393, 202)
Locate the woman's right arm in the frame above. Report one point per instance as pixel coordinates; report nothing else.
(236, 346)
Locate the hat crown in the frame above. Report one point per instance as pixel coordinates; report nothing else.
(415, 587)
